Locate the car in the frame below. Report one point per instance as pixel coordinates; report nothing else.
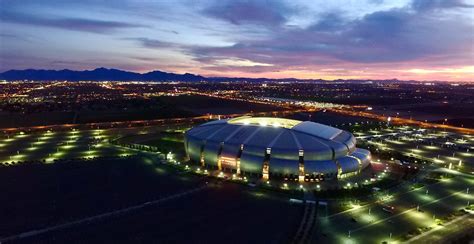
(388, 209)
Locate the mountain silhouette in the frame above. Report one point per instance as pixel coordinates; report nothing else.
(99, 74)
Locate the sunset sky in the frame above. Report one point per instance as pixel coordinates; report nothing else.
(376, 39)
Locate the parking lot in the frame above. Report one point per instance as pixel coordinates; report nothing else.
(446, 149)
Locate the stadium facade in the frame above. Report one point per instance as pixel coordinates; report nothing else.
(276, 147)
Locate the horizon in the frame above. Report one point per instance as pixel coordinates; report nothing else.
(239, 77)
(377, 40)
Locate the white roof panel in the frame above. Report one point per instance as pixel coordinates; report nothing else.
(317, 129)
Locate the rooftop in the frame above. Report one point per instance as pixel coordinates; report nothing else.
(265, 121)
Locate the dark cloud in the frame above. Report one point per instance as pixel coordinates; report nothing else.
(75, 24)
(427, 5)
(153, 43)
(395, 35)
(329, 22)
(260, 12)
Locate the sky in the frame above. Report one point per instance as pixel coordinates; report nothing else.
(310, 39)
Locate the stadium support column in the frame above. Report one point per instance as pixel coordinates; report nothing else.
(186, 149)
(219, 156)
(266, 164)
(339, 170)
(201, 158)
(301, 166)
(239, 155)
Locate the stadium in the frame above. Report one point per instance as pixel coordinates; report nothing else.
(276, 148)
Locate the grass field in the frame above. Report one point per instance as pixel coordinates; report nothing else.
(37, 196)
(158, 108)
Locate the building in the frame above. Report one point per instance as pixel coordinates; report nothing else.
(276, 147)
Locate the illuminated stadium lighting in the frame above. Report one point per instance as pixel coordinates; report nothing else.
(286, 148)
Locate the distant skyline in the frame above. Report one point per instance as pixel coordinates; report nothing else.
(372, 39)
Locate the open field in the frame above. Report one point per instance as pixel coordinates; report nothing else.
(37, 195)
(155, 108)
(52, 194)
(328, 118)
(200, 105)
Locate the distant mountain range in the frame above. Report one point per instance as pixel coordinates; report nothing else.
(99, 74)
(104, 74)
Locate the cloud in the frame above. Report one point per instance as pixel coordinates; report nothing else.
(427, 5)
(259, 12)
(329, 22)
(75, 24)
(153, 43)
(390, 36)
